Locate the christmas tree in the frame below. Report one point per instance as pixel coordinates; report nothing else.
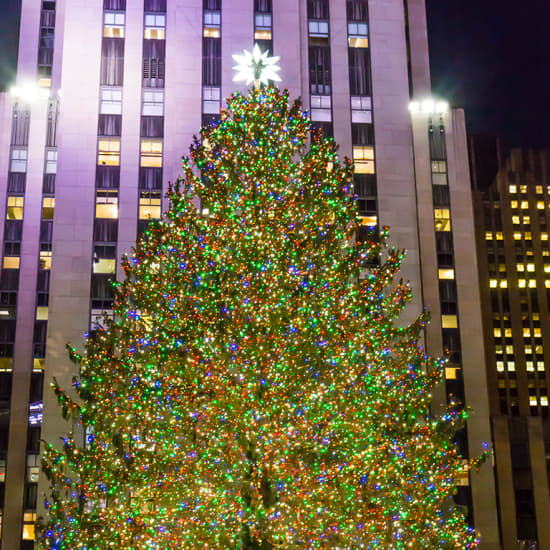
(255, 389)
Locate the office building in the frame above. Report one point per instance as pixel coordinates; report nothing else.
(109, 94)
(512, 219)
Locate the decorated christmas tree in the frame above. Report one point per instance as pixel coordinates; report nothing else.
(255, 389)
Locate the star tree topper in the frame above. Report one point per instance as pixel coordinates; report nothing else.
(256, 67)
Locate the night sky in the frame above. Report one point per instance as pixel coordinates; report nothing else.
(491, 57)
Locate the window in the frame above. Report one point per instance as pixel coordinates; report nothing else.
(154, 5)
(42, 313)
(154, 54)
(149, 206)
(442, 219)
(45, 260)
(18, 160)
(446, 274)
(153, 103)
(319, 70)
(51, 162)
(11, 262)
(363, 158)
(321, 108)
(317, 9)
(263, 21)
(359, 72)
(104, 265)
(512, 188)
(439, 172)
(318, 28)
(29, 519)
(211, 62)
(357, 10)
(110, 102)
(155, 27)
(112, 62)
(212, 20)
(361, 109)
(151, 153)
(48, 205)
(211, 100)
(106, 204)
(15, 208)
(152, 126)
(113, 24)
(358, 35)
(109, 152)
(20, 127)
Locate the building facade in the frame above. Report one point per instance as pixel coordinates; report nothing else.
(512, 219)
(108, 96)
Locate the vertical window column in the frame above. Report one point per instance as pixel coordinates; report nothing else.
(263, 24)
(320, 74)
(211, 61)
(46, 43)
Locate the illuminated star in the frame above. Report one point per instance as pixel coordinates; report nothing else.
(256, 67)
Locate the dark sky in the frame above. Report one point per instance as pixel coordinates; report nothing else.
(491, 57)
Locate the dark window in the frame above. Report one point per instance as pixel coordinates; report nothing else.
(46, 229)
(210, 120)
(7, 337)
(109, 125)
(451, 343)
(13, 230)
(105, 231)
(448, 297)
(48, 184)
(33, 440)
(29, 496)
(441, 195)
(262, 6)
(317, 9)
(102, 292)
(39, 338)
(325, 128)
(152, 126)
(51, 130)
(365, 185)
(319, 70)
(154, 52)
(154, 5)
(104, 252)
(438, 149)
(212, 5)
(5, 389)
(112, 62)
(20, 127)
(358, 10)
(16, 182)
(9, 279)
(107, 177)
(115, 5)
(150, 178)
(362, 134)
(211, 61)
(444, 246)
(359, 71)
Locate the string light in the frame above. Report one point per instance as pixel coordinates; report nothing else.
(255, 388)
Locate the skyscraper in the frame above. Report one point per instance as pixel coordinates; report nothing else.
(512, 216)
(108, 96)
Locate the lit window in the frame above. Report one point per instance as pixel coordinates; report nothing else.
(211, 32)
(263, 21)
(446, 274)
(544, 236)
(109, 152)
(539, 350)
(151, 153)
(262, 34)
(502, 268)
(514, 204)
(515, 220)
(358, 35)
(212, 18)
(369, 221)
(547, 283)
(363, 158)
(318, 28)
(48, 206)
(524, 205)
(540, 205)
(526, 220)
(18, 160)
(500, 236)
(531, 268)
(513, 189)
(528, 350)
(439, 172)
(450, 373)
(528, 236)
(523, 188)
(517, 236)
(104, 265)
(449, 321)
(508, 332)
(520, 267)
(321, 108)
(526, 332)
(211, 100)
(530, 366)
(51, 162)
(113, 24)
(11, 262)
(535, 316)
(361, 109)
(110, 101)
(155, 26)
(540, 366)
(544, 400)
(500, 366)
(493, 283)
(532, 283)
(442, 219)
(511, 366)
(538, 189)
(15, 208)
(45, 259)
(503, 283)
(153, 103)
(489, 235)
(537, 332)
(522, 283)
(497, 333)
(29, 520)
(547, 268)
(509, 350)
(499, 350)
(106, 205)
(533, 400)
(149, 206)
(41, 313)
